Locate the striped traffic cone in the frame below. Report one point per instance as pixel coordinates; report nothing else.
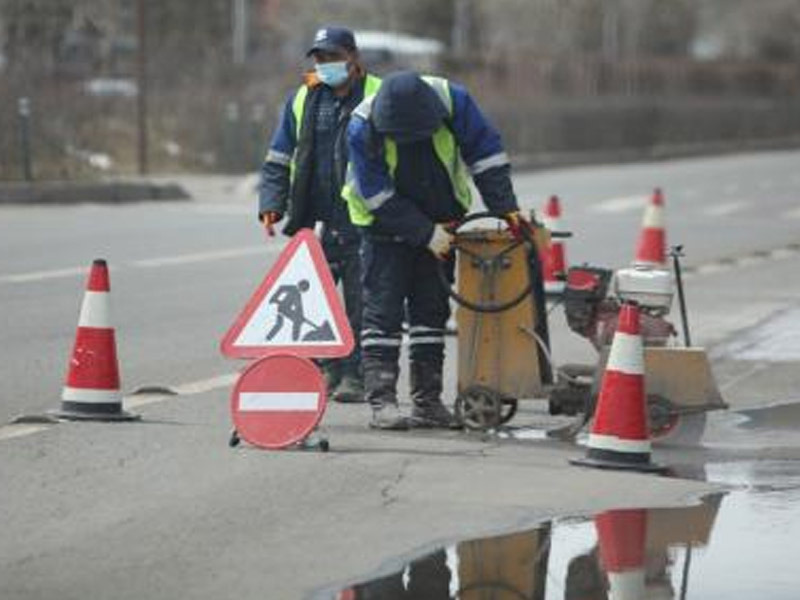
(554, 269)
(92, 390)
(620, 438)
(621, 536)
(651, 249)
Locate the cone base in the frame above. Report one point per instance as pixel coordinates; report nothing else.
(72, 414)
(600, 463)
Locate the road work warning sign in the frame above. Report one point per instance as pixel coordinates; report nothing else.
(296, 309)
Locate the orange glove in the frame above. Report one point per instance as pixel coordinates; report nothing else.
(518, 226)
(269, 218)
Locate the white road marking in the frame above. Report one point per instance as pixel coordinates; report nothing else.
(727, 208)
(193, 388)
(44, 275)
(184, 259)
(9, 432)
(766, 184)
(233, 210)
(792, 214)
(618, 205)
(163, 261)
(206, 385)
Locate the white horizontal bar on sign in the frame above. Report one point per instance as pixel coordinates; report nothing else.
(295, 401)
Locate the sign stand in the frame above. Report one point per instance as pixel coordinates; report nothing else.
(295, 314)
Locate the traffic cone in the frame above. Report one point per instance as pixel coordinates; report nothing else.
(554, 268)
(92, 390)
(621, 536)
(620, 438)
(651, 249)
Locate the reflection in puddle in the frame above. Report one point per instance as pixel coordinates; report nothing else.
(738, 546)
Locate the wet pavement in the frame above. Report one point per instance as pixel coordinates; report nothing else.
(740, 544)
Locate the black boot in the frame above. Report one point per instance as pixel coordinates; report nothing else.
(332, 372)
(351, 387)
(380, 390)
(426, 393)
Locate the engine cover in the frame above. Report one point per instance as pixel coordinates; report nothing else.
(650, 288)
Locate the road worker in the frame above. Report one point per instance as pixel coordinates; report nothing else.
(303, 173)
(413, 147)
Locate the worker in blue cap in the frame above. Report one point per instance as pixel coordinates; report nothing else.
(303, 174)
(414, 146)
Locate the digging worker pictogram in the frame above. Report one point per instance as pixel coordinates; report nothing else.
(303, 174)
(413, 147)
(288, 300)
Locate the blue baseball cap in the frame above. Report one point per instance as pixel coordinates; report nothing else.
(332, 39)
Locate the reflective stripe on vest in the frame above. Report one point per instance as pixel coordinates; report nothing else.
(371, 85)
(444, 145)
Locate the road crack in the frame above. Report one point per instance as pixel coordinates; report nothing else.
(388, 491)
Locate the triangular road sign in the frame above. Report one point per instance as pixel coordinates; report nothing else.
(296, 309)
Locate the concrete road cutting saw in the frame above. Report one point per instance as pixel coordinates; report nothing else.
(504, 353)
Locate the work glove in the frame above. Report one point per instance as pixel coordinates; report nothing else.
(440, 242)
(269, 218)
(518, 226)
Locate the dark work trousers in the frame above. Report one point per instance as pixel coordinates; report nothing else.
(344, 259)
(398, 277)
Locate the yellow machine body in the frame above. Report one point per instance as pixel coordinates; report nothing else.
(497, 350)
(495, 567)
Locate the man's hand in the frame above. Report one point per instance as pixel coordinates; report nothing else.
(269, 218)
(440, 242)
(520, 228)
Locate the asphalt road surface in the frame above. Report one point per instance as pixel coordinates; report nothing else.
(163, 508)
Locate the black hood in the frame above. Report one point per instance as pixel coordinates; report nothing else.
(406, 108)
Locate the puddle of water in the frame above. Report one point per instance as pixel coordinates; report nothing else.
(738, 546)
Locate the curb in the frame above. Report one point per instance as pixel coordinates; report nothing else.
(67, 192)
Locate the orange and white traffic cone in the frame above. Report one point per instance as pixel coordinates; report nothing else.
(92, 390)
(619, 438)
(554, 269)
(651, 249)
(622, 538)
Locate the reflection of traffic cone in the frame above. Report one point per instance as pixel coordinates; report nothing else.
(92, 390)
(621, 536)
(619, 438)
(554, 268)
(652, 245)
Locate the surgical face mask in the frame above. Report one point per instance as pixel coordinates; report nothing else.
(332, 74)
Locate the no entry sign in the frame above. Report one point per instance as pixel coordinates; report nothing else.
(278, 400)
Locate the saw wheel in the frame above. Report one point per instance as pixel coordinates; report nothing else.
(481, 408)
(671, 425)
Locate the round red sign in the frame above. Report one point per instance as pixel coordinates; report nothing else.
(278, 400)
